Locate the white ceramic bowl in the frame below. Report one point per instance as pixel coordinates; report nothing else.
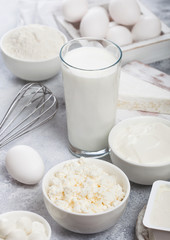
(139, 173)
(87, 223)
(14, 215)
(31, 70)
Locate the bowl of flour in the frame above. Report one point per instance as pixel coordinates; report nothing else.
(31, 52)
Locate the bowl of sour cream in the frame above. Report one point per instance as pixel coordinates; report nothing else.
(140, 146)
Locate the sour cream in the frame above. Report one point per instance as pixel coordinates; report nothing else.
(144, 142)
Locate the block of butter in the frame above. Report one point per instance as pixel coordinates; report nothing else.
(138, 92)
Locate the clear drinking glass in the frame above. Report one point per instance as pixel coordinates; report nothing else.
(90, 70)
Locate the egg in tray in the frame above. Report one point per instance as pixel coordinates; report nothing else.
(128, 23)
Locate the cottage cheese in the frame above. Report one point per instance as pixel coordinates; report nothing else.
(83, 188)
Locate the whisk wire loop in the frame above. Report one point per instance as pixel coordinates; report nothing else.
(33, 106)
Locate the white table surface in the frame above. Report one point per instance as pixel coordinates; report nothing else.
(51, 142)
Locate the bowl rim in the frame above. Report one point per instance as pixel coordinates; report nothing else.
(87, 214)
(166, 163)
(48, 227)
(65, 40)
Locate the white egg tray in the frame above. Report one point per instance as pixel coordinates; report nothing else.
(147, 51)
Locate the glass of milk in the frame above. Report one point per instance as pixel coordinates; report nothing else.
(90, 69)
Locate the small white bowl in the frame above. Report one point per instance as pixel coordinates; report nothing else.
(31, 70)
(139, 173)
(14, 215)
(87, 223)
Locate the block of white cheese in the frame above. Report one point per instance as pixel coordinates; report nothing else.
(136, 94)
(148, 74)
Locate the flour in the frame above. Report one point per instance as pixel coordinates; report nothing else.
(33, 42)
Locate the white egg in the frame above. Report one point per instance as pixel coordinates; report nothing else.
(147, 27)
(125, 12)
(5, 227)
(25, 224)
(16, 234)
(24, 164)
(74, 10)
(36, 236)
(119, 35)
(94, 23)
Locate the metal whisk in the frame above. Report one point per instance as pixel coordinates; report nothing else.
(33, 106)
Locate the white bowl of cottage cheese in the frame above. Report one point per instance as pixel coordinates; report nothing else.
(85, 195)
(140, 147)
(31, 52)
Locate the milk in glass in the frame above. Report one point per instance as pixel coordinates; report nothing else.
(91, 89)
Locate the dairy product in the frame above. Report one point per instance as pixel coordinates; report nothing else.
(83, 188)
(33, 42)
(157, 212)
(143, 142)
(137, 94)
(17, 234)
(21, 228)
(38, 227)
(91, 89)
(5, 227)
(36, 236)
(160, 213)
(158, 235)
(24, 223)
